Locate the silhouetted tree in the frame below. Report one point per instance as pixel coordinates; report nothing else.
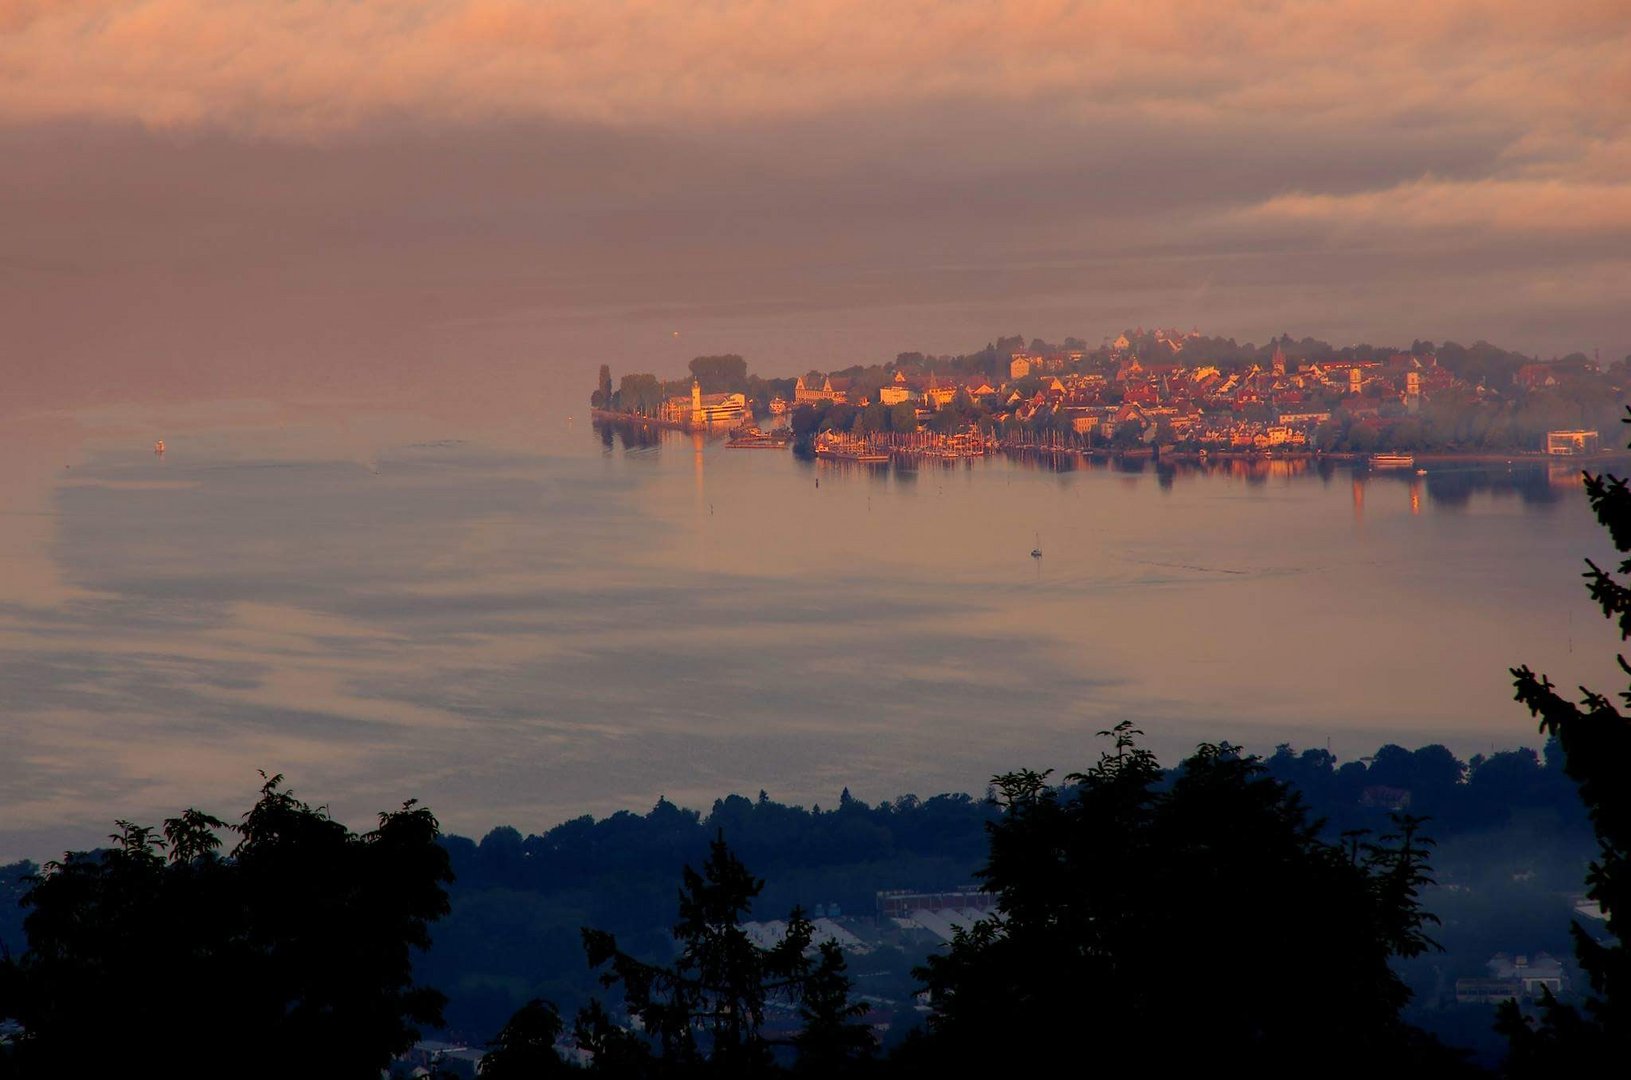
(833, 1039)
(1169, 926)
(1595, 739)
(705, 1013)
(525, 1048)
(639, 393)
(290, 955)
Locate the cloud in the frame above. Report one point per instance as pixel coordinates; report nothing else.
(323, 66)
(1518, 207)
(255, 197)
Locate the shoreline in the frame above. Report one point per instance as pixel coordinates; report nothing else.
(1197, 457)
(1201, 457)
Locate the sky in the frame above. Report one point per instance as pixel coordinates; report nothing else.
(237, 197)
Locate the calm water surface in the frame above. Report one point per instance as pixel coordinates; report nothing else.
(524, 621)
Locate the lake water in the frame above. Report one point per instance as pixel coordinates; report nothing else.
(520, 620)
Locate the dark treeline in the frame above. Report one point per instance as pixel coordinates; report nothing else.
(518, 901)
(170, 953)
(783, 841)
(1307, 891)
(1484, 793)
(518, 904)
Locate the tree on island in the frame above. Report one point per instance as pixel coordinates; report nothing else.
(720, 374)
(639, 393)
(291, 955)
(1168, 926)
(705, 1013)
(1595, 738)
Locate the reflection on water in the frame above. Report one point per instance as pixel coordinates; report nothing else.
(526, 623)
(1450, 482)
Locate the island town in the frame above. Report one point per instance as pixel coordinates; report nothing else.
(1152, 392)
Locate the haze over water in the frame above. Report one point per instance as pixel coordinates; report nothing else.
(469, 597)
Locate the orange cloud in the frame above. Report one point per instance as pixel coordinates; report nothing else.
(305, 67)
(1549, 207)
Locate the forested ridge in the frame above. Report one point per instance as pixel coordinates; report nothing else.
(517, 903)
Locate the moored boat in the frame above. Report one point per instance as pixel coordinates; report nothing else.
(838, 448)
(751, 438)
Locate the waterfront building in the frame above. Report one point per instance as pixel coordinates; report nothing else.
(700, 411)
(829, 392)
(1564, 443)
(896, 392)
(937, 396)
